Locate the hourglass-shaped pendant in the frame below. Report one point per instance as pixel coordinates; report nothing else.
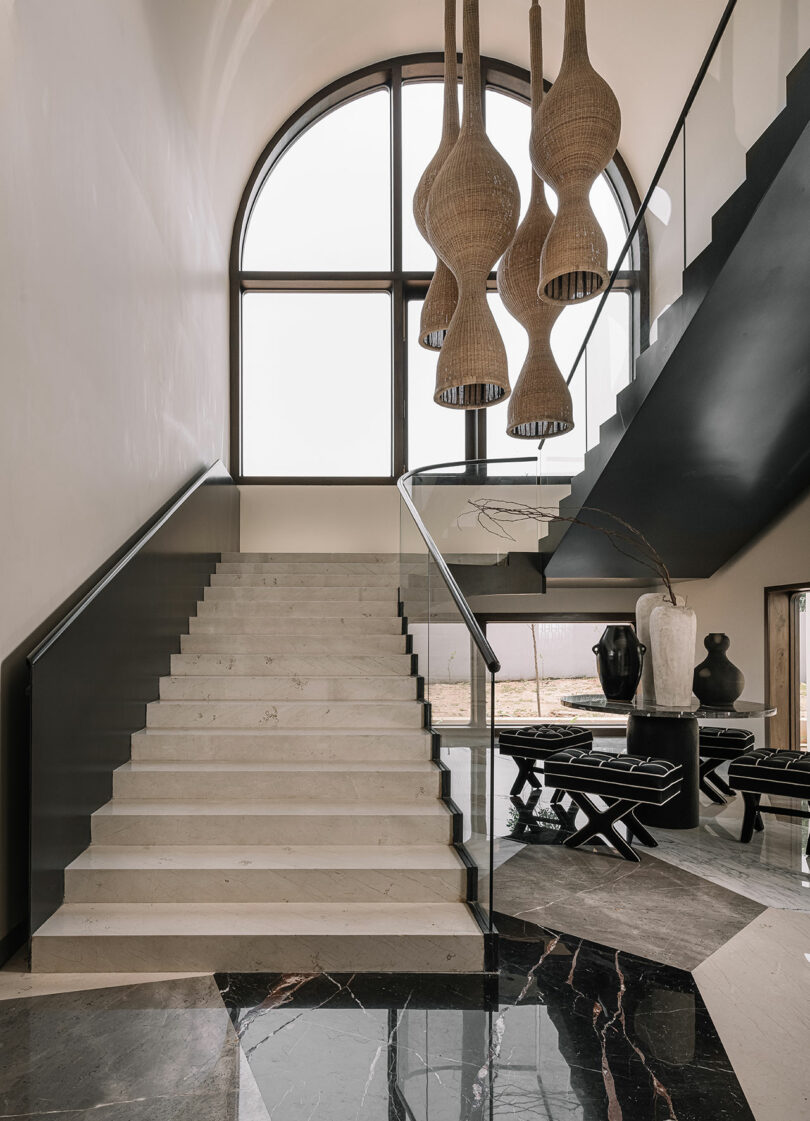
(472, 215)
(540, 405)
(442, 295)
(574, 138)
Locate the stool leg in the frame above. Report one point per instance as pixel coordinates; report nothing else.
(723, 786)
(603, 823)
(706, 772)
(520, 781)
(750, 816)
(637, 830)
(564, 816)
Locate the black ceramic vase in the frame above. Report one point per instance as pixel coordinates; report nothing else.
(717, 682)
(619, 658)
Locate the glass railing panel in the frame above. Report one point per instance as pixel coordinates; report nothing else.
(457, 685)
(413, 585)
(742, 93)
(665, 231)
(564, 456)
(608, 362)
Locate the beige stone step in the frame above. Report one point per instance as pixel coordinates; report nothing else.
(271, 874)
(328, 782)
(313, 558)
(303, 609)
(385, 581)
(265, 688)
(285, 714)
(286, 665)
(339, 642)
(308, 568)
(259, 937)
(265, 593)
(293, 625)
(270, 823)
(338, 745)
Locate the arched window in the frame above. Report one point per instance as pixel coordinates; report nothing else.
(328, 272)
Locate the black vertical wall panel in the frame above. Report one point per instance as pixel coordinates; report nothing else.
(91, 678)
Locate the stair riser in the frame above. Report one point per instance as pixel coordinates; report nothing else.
(182, 786)
(293, 626)
(255, 665)
(307, 568)
(323, 644)
(279, 748)
(249, 714)
(288, 689)
(246, 885)
(297, 953)
(217, 594)
(306, 609)
(365, 581)
(312, 558)
(271, 829)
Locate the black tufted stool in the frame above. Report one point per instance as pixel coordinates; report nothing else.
(624, 782)
(530, 746)
(716, 746)
(770, 771)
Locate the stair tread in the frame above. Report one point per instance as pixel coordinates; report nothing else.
(119, 807)
(330, 733)
(244, 857)
(226, 920)
(316, 767)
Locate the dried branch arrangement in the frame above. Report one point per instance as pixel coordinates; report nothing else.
(495, 516)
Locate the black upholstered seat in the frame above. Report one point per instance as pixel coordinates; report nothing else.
(529, 746)
(716, 746)
(623, 781)
(770, 771)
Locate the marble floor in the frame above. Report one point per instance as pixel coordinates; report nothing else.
(568, 1031)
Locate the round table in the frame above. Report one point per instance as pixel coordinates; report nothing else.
(671, 734)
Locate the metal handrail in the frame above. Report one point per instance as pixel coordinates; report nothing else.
(659, 171)
(473, 626)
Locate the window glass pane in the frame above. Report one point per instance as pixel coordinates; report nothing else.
(421, 133)
(326, 205)
(316, 383)
(435, 434)
(540, 664)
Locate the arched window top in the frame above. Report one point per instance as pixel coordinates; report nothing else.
(329, 271)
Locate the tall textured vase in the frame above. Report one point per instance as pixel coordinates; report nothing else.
(644, 608)
(672, 635)
(574, 138)
(442, 295)
(540, 405)
(472, 215)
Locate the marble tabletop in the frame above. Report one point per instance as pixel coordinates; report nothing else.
(740, 710)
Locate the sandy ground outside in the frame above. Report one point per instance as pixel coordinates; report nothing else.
(517, 700)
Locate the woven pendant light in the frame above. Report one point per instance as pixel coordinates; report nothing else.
(442, 295)
(540, 405)
(472, 215)
(574, 138)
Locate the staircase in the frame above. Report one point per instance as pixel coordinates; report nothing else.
(281, 810)
(709, 443)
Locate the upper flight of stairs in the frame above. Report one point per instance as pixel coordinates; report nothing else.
(281, 811)
(709, 444)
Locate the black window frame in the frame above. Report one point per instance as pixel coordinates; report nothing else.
(403, 286)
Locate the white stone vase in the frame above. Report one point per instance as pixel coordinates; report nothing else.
(672, 637)
(644, 608)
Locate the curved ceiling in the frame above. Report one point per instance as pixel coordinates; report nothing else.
(244, 65)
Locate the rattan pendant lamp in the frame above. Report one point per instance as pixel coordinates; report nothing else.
(574, 137)
(442, 295)
(540, 405)
(472, 215)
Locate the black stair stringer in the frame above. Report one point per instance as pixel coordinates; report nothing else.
(679, 421)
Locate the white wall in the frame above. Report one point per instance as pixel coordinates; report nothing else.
(733, 599)
(113, 302)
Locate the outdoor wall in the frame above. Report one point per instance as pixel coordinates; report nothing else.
(113, 319)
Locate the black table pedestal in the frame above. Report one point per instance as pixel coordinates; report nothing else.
(676, 740)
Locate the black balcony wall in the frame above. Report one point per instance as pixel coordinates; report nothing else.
(91, 677)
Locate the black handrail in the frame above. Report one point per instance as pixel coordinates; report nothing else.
(63, 624)
(659, 171)
(473, 626)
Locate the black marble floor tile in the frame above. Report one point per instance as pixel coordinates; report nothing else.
(576, 1031)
